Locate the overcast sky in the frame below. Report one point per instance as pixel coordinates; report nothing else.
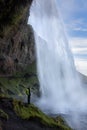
(74, 15)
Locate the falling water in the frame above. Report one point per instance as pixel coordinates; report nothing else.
(60, 87)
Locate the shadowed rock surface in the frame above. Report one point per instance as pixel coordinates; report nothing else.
(16, 36)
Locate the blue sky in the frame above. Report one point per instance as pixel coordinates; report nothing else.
(74, 15)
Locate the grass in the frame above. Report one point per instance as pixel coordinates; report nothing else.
(30, 112)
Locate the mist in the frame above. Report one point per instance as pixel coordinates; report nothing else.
(61, 90)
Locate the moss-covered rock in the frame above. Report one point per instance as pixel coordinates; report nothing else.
(3, 115)
(30, 112)
(15, 86)
(23, 117)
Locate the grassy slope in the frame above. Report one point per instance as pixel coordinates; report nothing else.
(16, 114)
(31, 112)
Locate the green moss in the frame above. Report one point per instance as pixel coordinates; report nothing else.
(17, 85)
(60, 120)
(31, 112)
(3, 114)
(10, 86)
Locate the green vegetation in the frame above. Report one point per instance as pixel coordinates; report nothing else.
(60, 120)
(17, 84)
(3, 115)
(30, 112)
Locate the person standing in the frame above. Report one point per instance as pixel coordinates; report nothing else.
(28, 92)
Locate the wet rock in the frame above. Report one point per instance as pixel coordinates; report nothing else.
(16, 36)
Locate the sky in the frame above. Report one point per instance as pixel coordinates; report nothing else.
(74, 15)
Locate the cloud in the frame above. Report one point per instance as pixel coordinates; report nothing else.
(74, 16)
(81, 66)
(80, 50)
(80, 29)
(78, 42)
(73, 13)
(78, 24)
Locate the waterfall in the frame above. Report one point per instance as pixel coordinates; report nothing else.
(60, 86)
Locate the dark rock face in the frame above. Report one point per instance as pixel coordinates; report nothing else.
(18, 50)
(12, 13)
(16, 36)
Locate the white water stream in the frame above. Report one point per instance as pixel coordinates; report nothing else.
(61, 89)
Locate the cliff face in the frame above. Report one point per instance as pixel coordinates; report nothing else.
(16, 36)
